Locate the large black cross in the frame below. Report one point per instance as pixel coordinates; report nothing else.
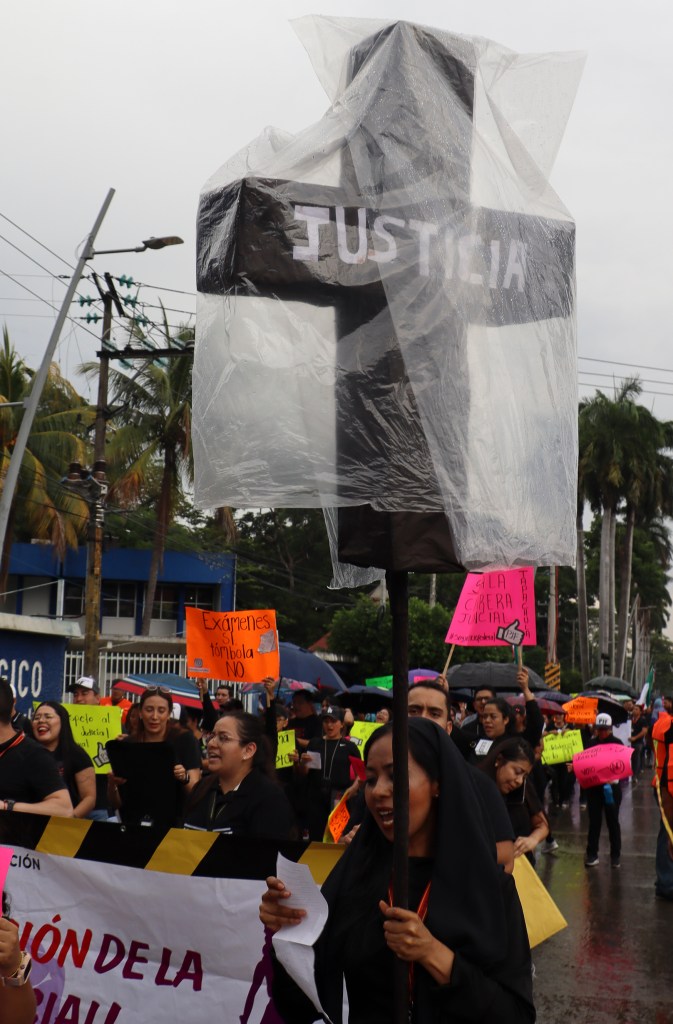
(400, 224)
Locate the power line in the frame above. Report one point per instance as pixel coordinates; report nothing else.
(46, 302)
(615, 362)
(37, 241)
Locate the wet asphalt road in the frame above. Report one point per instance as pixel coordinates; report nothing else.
(614, 962)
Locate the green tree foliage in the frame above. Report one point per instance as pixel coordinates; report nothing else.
(283, 562)
(42, 508)
(365, 632)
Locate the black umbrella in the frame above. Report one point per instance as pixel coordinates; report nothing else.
(557, 696)
(498, 675)
(612, 684)
(608, 706)
(364, 698)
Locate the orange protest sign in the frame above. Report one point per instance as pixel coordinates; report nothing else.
(581, 710)
(338, 819)
(238, 646)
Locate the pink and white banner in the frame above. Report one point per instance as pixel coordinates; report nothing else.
(118, 945)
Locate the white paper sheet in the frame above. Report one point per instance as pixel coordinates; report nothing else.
(294, 945)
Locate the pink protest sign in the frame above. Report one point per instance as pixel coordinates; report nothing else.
(489, 603)
(606, 762)
(6, 854)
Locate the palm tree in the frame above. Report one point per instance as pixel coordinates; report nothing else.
(623, 463)
(42, 507)
(607, 427)
(151, 448)
(649, 496)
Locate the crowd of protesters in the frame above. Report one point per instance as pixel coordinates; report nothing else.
(213, 768)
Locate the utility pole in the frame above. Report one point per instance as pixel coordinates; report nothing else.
(99, 487)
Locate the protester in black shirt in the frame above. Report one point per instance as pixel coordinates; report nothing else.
(51, 724)
(603, 800)
(325, 785)
(29, 779)
(156, 726)
(509, 764)
(240, 797)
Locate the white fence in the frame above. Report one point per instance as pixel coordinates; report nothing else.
(116, 664)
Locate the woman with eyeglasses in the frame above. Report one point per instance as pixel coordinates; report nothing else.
(509, 764)
(52, 730)
(240, 796)
(132, 797)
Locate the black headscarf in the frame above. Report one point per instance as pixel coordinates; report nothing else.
(466, 909)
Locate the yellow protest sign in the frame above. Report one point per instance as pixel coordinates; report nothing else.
(559, 748)
(286, 747)
(337, 821)
(581, 710)
(543, 917)
(360, 733)
(92, 726)
(239, 646)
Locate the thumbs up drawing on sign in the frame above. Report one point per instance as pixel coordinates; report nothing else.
(511, 634)
(101, 757)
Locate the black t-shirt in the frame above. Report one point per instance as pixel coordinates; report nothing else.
(257, 808)
(335, 772)
(185, 749)
(522, 805)
(79, 761)
(306, 728)
(27, 771)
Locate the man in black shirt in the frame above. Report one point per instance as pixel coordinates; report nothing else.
(430, 700)
(29, 778)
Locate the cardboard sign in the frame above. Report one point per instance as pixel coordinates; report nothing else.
(360, 733)
(581, 710)
(92, 726)
(338, 819)
(493, 601)
(559, 748)
(241, 647)
(606, 762)
(543, 917)
(286, 746)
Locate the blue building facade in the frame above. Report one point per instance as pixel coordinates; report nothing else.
(42, 584)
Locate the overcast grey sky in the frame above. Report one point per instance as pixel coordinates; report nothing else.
(151, 96)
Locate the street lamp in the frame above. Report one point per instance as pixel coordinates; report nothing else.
(149, 243)
(92, 483)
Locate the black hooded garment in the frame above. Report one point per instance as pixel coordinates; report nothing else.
(473, 909)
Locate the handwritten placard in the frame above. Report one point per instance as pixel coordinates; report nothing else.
(492, 601)
(581, 710)
(360, 733)
(286, 747)
(559, 747)
(239, 646)
(338, 819)
(92, 726)
(606, 762)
